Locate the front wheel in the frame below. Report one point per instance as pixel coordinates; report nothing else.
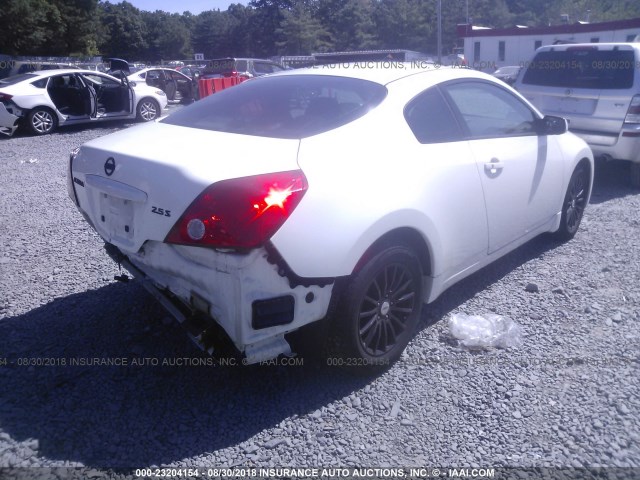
(148, 110)
(379, 311)
(575, 201)
(41, 121)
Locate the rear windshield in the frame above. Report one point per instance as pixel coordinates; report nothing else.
(220, 66)
(294, 106)
(582, 68)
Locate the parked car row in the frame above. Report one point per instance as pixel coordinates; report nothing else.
(43, 100)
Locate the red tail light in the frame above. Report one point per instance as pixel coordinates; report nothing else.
(5, 97)
(241, 212)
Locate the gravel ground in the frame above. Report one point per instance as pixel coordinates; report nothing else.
(569, 397)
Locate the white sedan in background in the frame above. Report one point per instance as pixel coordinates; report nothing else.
(344, 194)
(176, 85)
(41, 101)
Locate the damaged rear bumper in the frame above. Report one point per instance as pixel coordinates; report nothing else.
(8, 121)
(248, 295)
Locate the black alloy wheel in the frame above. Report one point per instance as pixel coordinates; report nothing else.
(380, 310)
(575, 201)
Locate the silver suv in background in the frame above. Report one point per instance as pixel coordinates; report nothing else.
(239, 67)
(596, 86)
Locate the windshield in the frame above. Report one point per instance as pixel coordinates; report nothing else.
(17, 79)
(221, 66)
(294, 106)
(582, 68)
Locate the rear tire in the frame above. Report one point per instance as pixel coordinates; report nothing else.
(148, 110)
(42, 121)
(378, 312)
(575, 201)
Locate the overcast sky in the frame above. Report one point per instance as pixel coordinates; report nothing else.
(180, 6)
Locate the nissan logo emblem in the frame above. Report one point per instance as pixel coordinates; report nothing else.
(109, 166)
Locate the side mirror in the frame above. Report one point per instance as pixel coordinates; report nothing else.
(552, 125)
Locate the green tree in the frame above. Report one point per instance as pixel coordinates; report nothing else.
(301, 32)
(240, 35)
(265, 24)
(27, 27)
(167, 36)
(214, 34)
(125, 31)
(600, 11)
(350, 23)
(78, 26)
(403, 24)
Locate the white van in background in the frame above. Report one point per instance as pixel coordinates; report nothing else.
(596, 86)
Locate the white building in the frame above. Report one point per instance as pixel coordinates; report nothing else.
(488, 48)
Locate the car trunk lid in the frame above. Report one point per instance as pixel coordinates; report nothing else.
(134, 185)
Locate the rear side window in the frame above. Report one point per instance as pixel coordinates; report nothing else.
(42, 83)
(294, 106)
(430, 118)
(582, 68)
(5, 82)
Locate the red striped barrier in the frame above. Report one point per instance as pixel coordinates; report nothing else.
(209, 86)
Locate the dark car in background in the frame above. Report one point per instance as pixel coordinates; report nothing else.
(190, 70)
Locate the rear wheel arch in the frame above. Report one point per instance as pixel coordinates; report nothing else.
(588, 165)
(403, 236)
(575, 200)
(378, 308)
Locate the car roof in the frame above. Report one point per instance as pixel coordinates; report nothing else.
(607, 46)
(63, 71)
(241, 58)
(383, 72)
(146, 69)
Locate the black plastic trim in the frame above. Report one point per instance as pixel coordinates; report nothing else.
(284, 270)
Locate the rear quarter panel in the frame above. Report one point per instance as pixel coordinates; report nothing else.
(372, 176)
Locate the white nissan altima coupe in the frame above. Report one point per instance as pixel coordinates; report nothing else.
(344, 194)
(41, 101)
